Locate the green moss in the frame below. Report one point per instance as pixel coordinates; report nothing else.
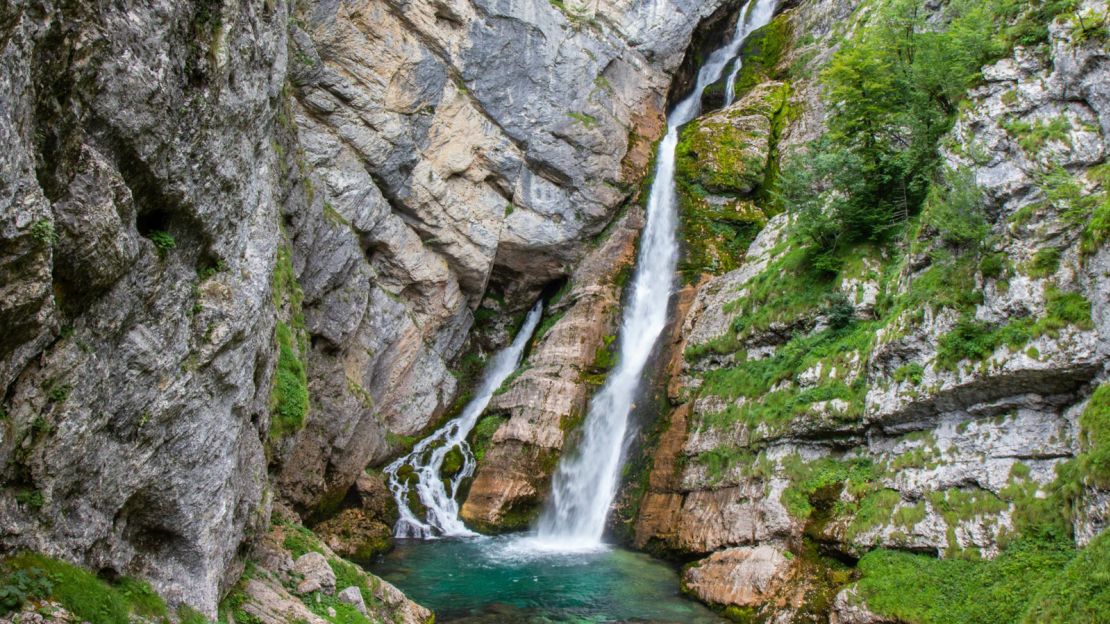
(824, 479)
(289, 396)
(482, 434)
(299, 540)
(452, 462)
(585, 119)
(762, 53)
(718, 180)
(79, 591)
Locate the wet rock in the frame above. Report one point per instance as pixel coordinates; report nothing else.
(550, 396)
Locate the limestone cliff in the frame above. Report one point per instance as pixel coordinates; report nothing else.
(242, 243)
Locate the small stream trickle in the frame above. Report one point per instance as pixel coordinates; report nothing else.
(426, 458)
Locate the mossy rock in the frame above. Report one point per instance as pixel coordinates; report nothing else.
(452, 462)
(762, 53)
(353, 534)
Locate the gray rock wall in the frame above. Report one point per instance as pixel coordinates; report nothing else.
(185, 182)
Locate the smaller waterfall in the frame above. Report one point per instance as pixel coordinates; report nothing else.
(426, 458)
(755, 17)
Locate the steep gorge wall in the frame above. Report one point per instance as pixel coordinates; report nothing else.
(242, 243)
(793, 442)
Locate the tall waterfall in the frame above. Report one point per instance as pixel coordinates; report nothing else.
(586, 481)
(753, 17)
(426, 458)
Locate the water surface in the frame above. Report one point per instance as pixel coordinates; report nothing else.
(512, 579)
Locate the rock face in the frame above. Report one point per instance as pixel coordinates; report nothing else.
(241, 244)
(136, 253)
(447, 161)
(898, 436)
(570, 356)
(742, 577)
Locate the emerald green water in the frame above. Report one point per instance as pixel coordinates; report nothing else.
(512, 579)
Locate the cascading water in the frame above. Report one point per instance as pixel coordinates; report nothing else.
(426, 458)
(754, 17)
(586, 481)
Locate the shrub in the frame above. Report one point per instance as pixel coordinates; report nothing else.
(839, 311)
(43, 231)
(1045, 262)
(20, 586)
(912, 372)
(163, 241)
(956, 211)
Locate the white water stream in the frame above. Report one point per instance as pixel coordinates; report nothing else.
(752, 18)
(586, 480)
(426, 458)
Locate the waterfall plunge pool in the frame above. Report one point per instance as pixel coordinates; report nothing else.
(513, 579)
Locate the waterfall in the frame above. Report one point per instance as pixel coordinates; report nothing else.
(754, 17)
(586, 480)
(426, 458)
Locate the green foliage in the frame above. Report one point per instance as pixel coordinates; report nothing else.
(43, 231)
(970, 339)
(923, 590)
(31, 576)
(912, 372)
(993, 265)
(894, 89)
(549, 321)
(1078, 594)
(974, 340)
(839, 311)
(187, 615)
(164, 242)
(289, 396)
(1045, 262)
(956, 211)
(1032, 137)
(823, 478)
(1094, 426)
(30, 498)
(58, 392)
(21, 586)
(299, 540)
